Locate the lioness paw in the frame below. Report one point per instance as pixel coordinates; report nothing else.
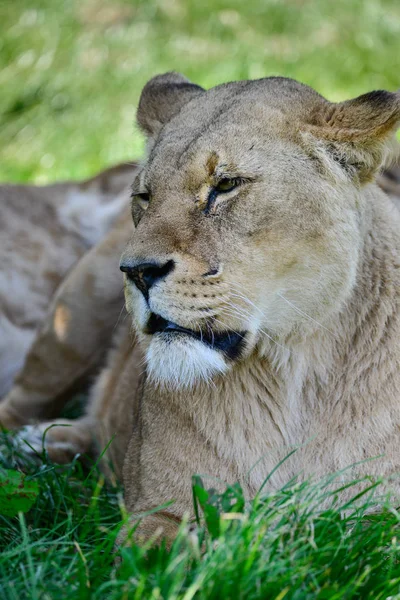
(61, 439)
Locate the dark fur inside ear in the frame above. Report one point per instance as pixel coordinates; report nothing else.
(162, 98)
(356, 131)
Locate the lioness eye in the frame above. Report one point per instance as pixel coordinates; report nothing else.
(226, 185)
(142, 199)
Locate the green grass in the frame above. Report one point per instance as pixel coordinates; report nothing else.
(71, 70)
(282, 545)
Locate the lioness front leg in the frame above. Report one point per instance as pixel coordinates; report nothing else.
(164, 453)
(75, 336)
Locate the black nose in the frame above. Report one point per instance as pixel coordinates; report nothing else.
(144, 275)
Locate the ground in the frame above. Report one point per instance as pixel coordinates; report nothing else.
(71, 73)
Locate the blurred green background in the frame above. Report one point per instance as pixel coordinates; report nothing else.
(71, 71)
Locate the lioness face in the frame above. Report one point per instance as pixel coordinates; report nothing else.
(244, 235)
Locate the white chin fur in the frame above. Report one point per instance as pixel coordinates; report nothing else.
(183, 362)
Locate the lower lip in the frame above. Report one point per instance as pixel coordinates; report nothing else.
(230, 348)
(177, 332)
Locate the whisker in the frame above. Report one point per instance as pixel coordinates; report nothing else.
(242, 312)
(119, 316)
(305, 314)
(240, 295)
(201, 333)
(236, 313)
(232, 330)
(210, 330)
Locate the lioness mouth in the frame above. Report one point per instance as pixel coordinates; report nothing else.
(229, 342)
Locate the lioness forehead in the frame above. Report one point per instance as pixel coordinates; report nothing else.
(231, 116)
(236, 103)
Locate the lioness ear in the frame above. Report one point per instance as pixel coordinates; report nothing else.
(356, 132)
(162, 98)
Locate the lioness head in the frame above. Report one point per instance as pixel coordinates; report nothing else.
(249, 217)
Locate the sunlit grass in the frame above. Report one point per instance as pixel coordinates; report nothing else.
(297, 543)
(71, 71)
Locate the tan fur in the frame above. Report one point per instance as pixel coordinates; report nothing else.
(44, 232)
(302, 257)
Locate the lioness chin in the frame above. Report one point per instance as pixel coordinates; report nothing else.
(262, 280)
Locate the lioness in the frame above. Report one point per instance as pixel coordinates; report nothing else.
(45, 230)
(262, 280)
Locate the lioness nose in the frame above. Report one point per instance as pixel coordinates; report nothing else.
(144, 275)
